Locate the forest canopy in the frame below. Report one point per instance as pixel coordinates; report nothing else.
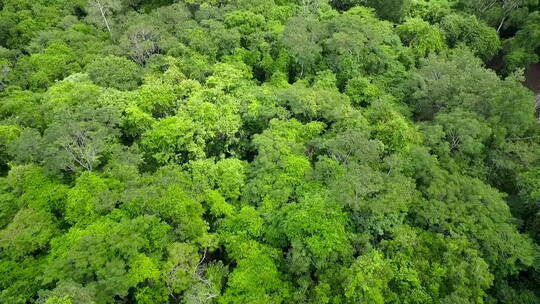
(269, 151)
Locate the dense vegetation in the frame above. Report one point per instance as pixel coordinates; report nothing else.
(259, 151)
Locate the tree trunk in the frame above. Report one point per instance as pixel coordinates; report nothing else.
(102, 11)
(501, 24)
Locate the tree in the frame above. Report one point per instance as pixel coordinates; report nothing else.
(174, 207)
(479, 37)
(18, 280)
(281, 165)
(391, 127)
(362, 90)
(498, 12)
(528, 205)
(82, 144)
(302, 39)
(5, 67)
(346, 4)
(7, 134)
(316, 228)
(451, 262)
(158, 99)
(115, 72)
(174, 139)
(498, 104)
(501, 246)
(256, 279)
(521, 50)
(28, 186)
(423, 38)
(464, 136)
(91, 197)
(103, 10)
(141, 41)
(321, 103)
(369, 278)
(108, 258)
(347, 51)
(391, 9)
(29, 231)
(40, 70)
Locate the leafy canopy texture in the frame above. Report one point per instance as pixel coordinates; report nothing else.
(269, 152)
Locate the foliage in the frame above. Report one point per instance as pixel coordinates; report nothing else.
(467, 30)
(115, 72)
(252, 151)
